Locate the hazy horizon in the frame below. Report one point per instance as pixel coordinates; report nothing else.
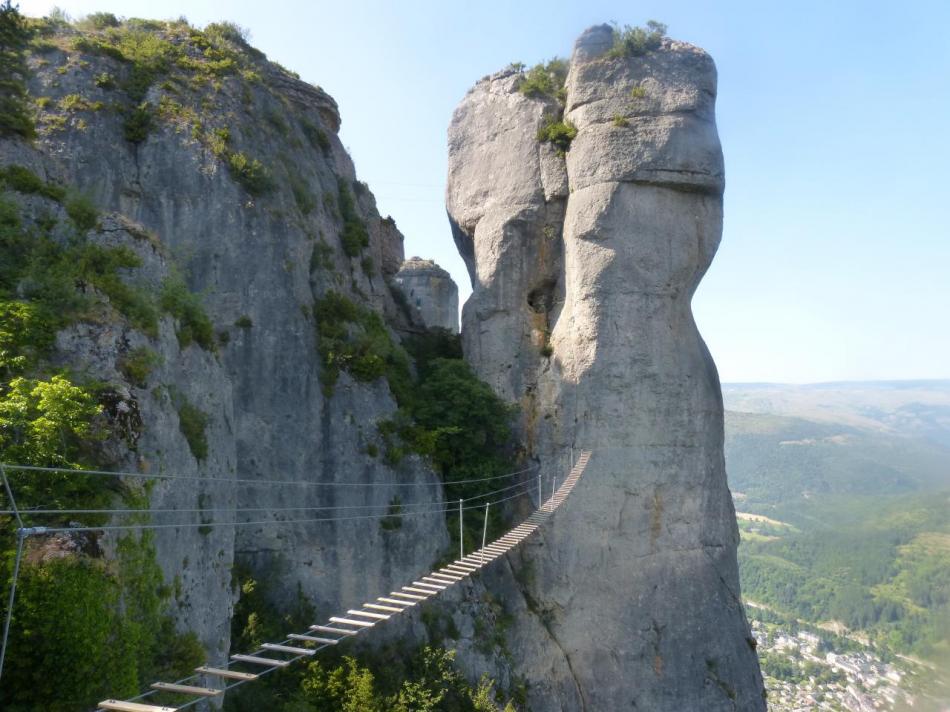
(834, 255)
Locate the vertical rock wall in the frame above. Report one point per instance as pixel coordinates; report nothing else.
(633, 598)
(431, 293)
(258, 260)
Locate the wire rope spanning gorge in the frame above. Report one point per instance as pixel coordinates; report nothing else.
(587, 214)
(301, 646)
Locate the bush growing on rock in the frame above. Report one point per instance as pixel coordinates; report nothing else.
(637, 41)
(250, 173)
(546, 80)
(193, 424)
(82, 211)
(354, 236)
(16, 117)
(193, 323)
(559, 133)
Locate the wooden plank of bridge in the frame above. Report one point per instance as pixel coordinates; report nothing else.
(410, 596)
(279, 648)
(186, 689)
(413, 589)
(423, 584)
(350, 621)
(257, 660)
(472, 561)
(398, 602)
(461, 568)
(367, 614)
(313, 639)
(331, 629)
(133, 707)
(378, 607)
(439, 582)
(227, 674)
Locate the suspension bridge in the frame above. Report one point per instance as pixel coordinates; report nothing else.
(208, 682)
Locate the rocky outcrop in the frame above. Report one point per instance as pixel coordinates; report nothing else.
(430, 292)
(260, 244)
(583, 269)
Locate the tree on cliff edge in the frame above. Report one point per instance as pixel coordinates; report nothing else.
(16, 117)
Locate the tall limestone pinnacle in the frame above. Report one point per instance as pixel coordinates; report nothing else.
(583, 266)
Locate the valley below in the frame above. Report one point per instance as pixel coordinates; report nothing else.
(842, 496)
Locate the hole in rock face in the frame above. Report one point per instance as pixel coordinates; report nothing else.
(541, 296)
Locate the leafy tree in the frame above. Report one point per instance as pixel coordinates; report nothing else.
(49, 423)
(26, 333)
(348, 687)
(16, 118)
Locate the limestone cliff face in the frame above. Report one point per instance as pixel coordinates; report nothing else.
(258, 259)
(431, 293)
(583, 270)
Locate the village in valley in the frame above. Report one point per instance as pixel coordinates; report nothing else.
(803, 671)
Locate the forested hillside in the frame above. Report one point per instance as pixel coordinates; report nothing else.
(845, 528)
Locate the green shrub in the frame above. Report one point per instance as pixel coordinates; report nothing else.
(451, 417)
(277, 121)
(104, 80)
(546, 79)
(138, 364)
(16, 116)
(48, 272)
(23, 180)
(115, 614)
(150, 56)
(99, 20)
(193, 323)
(321, 257)
(244, 322)
(302, 193)
(137, 123)
(250, 173)
(193, 424)
(97, 47)
(101, 267)
(354, 236)
(27, 331)
(218, 141)
(354, 339)
(227, 31)
(638, 92)
(83, 212)
(637, 41)
(392, 521)
(73, 102)
(620, 120)
(318, 137)
(559, 133)
(41, 46)
(257, 618)
(393, 679)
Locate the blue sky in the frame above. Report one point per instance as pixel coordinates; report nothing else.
(835, 261)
